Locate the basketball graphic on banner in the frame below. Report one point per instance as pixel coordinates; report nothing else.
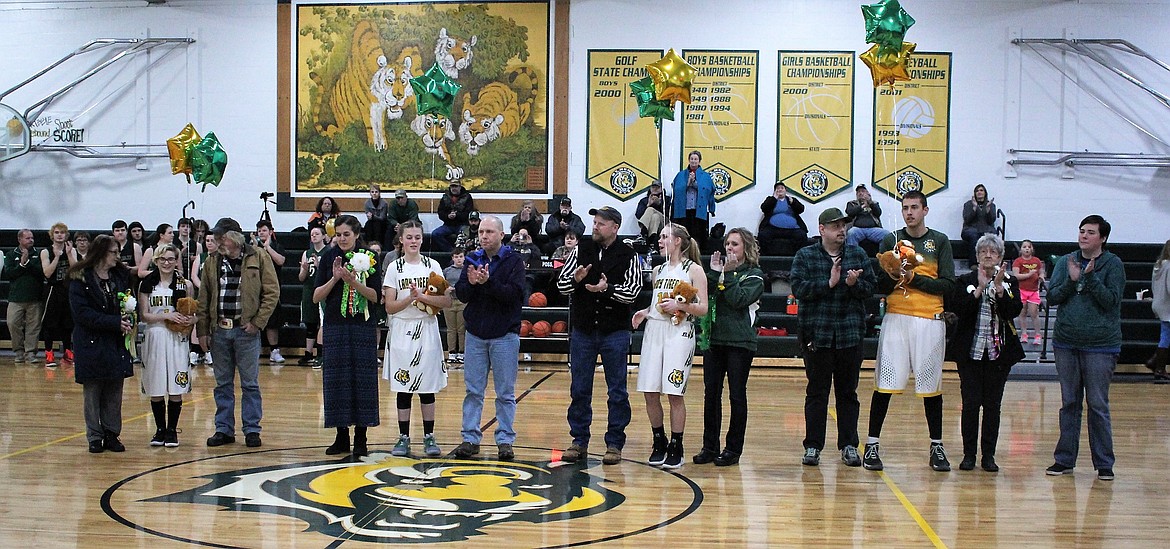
(913, 116)
(812, 120)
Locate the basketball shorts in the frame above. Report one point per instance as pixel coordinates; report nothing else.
(1030, 297)
(667, 354)
(910, 343)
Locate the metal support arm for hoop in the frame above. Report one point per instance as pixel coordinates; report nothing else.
(15, 136)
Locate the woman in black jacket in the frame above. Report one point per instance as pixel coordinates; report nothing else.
(985, 345)
(101, 355)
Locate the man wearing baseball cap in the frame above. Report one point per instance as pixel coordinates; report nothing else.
(561, 221)
(604, 277)
(454, 208)
(238, 292)
(832, 280)
(402, 208)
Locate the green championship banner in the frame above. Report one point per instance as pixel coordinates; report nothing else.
(814, 130)
(911, 128)
(720, 121)
(622, 152)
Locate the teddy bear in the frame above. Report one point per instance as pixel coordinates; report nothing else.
(436, 285)
(683, 293)
(184, 306)
(900, 262)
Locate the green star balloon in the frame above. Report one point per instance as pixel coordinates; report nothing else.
(648, 106)
(208, 161)
(886, 24)
(434, 92)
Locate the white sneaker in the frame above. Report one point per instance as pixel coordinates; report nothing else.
(195, 358)
(207, 358)
(275, 357)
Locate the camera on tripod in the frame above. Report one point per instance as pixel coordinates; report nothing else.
(266, 196)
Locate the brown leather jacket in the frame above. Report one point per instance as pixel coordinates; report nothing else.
(259, 291)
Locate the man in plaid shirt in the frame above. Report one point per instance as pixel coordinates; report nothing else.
(832, 280)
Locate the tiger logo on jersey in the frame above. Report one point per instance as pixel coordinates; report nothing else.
(675, 378)
(384, 499)
(182, 379)
(402, 376)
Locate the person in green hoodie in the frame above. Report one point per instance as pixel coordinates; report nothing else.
(1086, 287)
(735, 284)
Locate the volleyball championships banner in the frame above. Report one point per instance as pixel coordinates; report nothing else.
(720, 121)
(814, 134)
(622, 150)
(912, 128)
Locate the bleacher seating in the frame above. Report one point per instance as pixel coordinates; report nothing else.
(1139, 326)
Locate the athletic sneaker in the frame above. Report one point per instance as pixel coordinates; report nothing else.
(658, 452)
(812, 457)
(171, 438)
(1105, 474)
(674, 455)
(316, 363)
(430, 447)
(459, 358)
(305, 360)
(275, 357)
(938, 458)
(1023, 338)
(207, 358)
(159, 437)
(195, 358)
(872, 460)
(849, 457)
(50, 359)
(1036, 341)
(402, 448)
(69, 356)
(1057, 469)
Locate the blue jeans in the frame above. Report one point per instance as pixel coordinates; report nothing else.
(865, 234)
(1084, 376)
(443, 237)
(500, 356)
(583, 350)
(235, 350)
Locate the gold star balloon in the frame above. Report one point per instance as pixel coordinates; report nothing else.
(672, 77)
(179, 149)
(888, 68)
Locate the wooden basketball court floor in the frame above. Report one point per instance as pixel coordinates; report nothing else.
(289, 494)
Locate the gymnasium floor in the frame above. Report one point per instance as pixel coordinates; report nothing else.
(289, 494)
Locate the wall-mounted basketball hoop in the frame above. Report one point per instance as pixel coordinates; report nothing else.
(15, 136)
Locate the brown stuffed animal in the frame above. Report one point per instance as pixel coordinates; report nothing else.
(185, 306)
(436, 285)
(900, 262)
(683, 293)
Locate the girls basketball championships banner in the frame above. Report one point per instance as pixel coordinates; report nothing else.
(622, 150)
(412, 95)
(720, 121)
(911, 125)
(814, 133)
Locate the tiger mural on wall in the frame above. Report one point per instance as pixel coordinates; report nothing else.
(346, 100)
(435, 132)
(498, 111)
(392, 92)
(452, 54)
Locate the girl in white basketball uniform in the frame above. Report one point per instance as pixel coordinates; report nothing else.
(165, 366)
(668, 346)
(414, 351)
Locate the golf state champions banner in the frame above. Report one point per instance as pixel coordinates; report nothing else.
(622, 150)
(814, 134)
(911, 128)
(720, 121)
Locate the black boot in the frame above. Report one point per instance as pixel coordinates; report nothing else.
(340, 444)
(658, 453)
(1157, 364)
(359, 441)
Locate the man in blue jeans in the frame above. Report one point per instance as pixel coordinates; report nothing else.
(238, 292)
(492, 286)
(603, 277)
(1086, 285)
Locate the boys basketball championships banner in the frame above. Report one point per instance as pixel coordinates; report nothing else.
(720, 121)
(912, 128)
(622, 150)
(814, 134)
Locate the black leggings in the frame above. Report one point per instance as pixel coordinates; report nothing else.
(880, 404)
(424, 398)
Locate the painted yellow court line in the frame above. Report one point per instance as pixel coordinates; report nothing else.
(925, 526)
(81, 434)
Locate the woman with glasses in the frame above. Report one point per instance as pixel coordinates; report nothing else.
(101, 356)
(165, 372)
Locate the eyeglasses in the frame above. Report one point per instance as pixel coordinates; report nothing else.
(168, 259)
